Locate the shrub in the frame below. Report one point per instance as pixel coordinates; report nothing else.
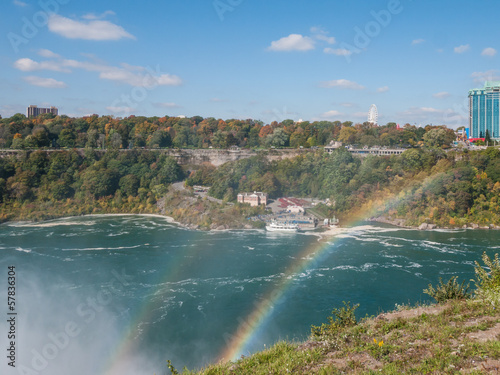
(449, 290)
(341, 317)
(488, 283)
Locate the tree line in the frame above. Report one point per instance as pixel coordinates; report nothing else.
(47, 131)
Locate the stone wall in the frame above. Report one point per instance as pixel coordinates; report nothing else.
(216, 157)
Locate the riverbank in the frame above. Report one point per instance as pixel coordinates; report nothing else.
(426, 226)
(457, 336)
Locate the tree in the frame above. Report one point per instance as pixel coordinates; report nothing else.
(487, 138)
(41, 137)
(160, 138)
(169, 172)
(115, 140)
(99, 183)
(129, 185)
(67, 138)
(438, 137)
(347, 134)
(277, 139)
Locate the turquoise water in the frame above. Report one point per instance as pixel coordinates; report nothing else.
(122, 294)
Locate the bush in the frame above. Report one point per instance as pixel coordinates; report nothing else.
(450, 290)
(342, 317)
(488, 283)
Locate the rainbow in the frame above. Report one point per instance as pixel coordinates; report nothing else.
(247, 332)
(118, 361)
(249, 329)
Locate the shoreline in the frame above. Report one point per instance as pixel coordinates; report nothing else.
(400, 223)
(323, 234)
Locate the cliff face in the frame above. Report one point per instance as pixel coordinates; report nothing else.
(218, 157)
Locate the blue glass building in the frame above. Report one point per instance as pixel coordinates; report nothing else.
(484, 111)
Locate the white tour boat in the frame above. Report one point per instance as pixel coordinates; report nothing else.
(275, 226)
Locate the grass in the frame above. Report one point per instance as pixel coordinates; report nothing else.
(438, 339)
(457, 335)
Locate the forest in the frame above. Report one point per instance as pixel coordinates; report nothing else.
(449, 189)
(429, 182)
(107, 132)
(38, 185)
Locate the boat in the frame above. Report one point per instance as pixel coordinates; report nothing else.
(334, 222)
(275, 226)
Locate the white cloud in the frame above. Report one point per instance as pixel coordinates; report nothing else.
(363, 115)
(417, 41)
(92, 16)
(133, 75)
(442, 95)
(121, 109)
(48, 54)
(292, 42)
(45, 82)
(461, 49)
(489, 75)
(337, 51)
(88, 30)
(326, 38)
(348, 105)
(430, 110)
(342, 84)
(28, 65)
(383, 89)
(489, 52)
(321, 34)
(333, 114)
(168, 105)
(19, 3)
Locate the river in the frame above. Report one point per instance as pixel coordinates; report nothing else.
(123, 294)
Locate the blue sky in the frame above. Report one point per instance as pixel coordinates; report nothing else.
(260, 59)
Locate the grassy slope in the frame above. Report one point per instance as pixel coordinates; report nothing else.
(459, 336)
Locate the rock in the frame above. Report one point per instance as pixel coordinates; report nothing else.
(248, 226)
(431, 226)
(220, 227)
(423, 226)
(474, 226)
(464, 226)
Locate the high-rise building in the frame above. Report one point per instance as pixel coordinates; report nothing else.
(484, 111)
(34, 111)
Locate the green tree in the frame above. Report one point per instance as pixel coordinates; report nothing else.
(129, 185)
(169, 171)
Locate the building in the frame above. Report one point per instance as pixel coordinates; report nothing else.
(333, 145)
(254, 199)
(296, 209)
(484, 111)
(34, 111)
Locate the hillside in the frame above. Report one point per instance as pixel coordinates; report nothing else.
(447, 189)
(459, 334)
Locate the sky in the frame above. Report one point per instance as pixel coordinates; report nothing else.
(266, 60)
